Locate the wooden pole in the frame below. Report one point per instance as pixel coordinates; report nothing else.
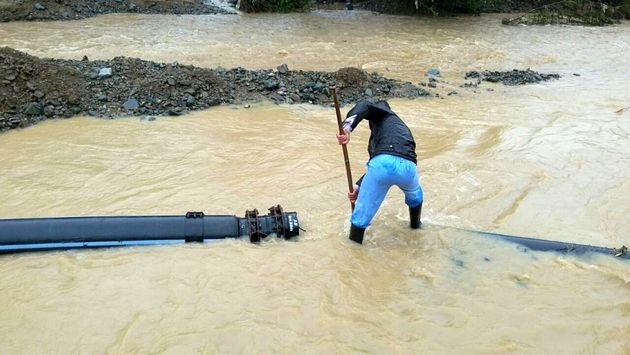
(343, 146)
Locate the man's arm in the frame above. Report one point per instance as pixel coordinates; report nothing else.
(357, 114)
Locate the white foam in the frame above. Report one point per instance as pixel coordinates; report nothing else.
(222, 4)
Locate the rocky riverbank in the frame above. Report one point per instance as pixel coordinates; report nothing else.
(34, 89)
(511, 77)
(34, 10)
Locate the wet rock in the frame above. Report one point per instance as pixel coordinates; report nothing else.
(73, 110)
(271, 84)
(33, 109)
(319, 87)
(190, 100)
(49, 111)
(105, 73)
(283, 69)
(131, 104)
(177, 111)
(433, 72)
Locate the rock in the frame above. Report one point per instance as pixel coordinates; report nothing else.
(131, 104)
(73, 110)
(170, 81)
(105, 73)
(92, 113)
(271, 84)
(433, 72)
(177, 111)
(283, 69)
(85, 58)
(31, 86)
(39, 7)
(369, 92)
(432, 84)
(132, 7)
(33, 109)
(101, 97)
(189, 100)
(93, 75)
(11, 77)
(49, 111)
(38, 94)
(319, 87)
(295, 97)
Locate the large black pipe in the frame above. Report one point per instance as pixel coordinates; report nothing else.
(72, 232)
(559, 247)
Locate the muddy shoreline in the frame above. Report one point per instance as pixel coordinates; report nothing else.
(47, 10)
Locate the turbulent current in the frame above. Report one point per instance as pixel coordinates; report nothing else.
(548, 160)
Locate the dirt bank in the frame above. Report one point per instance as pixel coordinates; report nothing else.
(33, 10)
(34, 89)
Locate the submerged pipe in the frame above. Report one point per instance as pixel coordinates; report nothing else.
(559, 247)
(28, 234)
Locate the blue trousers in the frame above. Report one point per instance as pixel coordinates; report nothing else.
(384, 171)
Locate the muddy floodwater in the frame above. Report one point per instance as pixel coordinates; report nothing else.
(549, 160)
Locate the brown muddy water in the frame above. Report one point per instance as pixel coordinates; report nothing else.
(550, 160)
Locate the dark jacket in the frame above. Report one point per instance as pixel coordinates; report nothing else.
(389, 134)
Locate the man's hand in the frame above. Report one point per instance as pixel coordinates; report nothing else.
(352, 196)
(343, 138)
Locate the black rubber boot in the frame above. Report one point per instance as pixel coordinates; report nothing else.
(414, 216)
(356, 234)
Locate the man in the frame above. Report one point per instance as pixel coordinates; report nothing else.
(392, 161)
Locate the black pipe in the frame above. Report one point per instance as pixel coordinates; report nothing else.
(559, 247)
(77, 232)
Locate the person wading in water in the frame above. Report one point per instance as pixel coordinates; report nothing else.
(392, 151)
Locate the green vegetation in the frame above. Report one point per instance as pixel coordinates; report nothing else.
(273, 5)
(443, 7)
(575, 12)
